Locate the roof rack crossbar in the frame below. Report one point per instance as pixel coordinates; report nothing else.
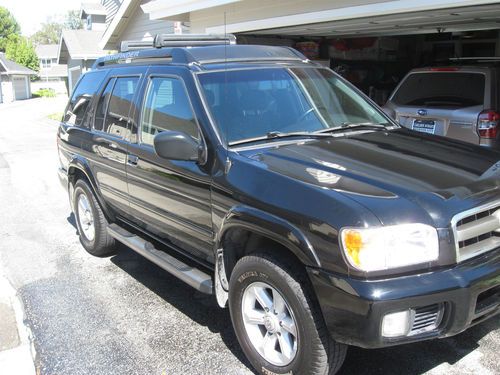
(174, 40)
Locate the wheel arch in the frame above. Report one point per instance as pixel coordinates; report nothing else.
(247, 230)
(78, 168)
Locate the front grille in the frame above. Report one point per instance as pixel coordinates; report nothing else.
(477, 231)
(427, 318)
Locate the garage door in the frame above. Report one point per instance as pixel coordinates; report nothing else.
(19, 87)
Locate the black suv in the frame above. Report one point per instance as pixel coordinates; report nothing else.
(255, 175)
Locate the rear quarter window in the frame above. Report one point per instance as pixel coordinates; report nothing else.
(81, 97)
(441, 89)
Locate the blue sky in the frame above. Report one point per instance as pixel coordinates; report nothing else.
(30, 14)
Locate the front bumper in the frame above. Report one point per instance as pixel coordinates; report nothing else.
(467, 294)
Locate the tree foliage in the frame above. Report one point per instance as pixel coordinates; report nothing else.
(48, 34)
(73, 20)
(50, 31)
(21, 50)
(8, 27)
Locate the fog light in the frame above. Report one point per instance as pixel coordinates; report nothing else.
(396, 324)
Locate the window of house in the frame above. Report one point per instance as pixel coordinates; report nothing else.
(113, 108)
(46, 63)
(82, 95)
(167, 107)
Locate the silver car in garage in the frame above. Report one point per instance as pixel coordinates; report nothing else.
(460, 102)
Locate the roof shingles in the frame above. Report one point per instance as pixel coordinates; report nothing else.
(83, 44)
(9, 67)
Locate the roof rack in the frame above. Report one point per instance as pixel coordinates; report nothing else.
(175, 40)
(211, 54)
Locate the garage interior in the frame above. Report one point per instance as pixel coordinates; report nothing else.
(375, 53)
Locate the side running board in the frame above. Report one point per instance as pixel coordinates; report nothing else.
(190, 275)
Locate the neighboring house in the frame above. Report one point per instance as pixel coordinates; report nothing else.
(52, 75)
(80, 48)
(50, 70)
(15, 81)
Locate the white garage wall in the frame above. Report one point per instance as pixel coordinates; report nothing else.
(257, 9)
(7, 89)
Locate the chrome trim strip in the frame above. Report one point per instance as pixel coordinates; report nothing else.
(463, 215)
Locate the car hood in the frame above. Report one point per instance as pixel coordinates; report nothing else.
(396, 174)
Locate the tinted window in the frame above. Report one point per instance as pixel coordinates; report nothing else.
(254, 102)
(166, 107)
(441, 89)
(82, 96)
(118, 107)
(102, 106)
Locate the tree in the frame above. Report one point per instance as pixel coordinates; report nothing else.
(8, 27)
(48, 34)
(21, 50)
(50, 31)
(73, 20)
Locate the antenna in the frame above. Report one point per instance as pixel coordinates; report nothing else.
(226, 123)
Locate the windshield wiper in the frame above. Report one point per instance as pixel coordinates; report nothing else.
(348, 125)
(280, 135)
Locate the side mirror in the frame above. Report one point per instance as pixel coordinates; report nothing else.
(176, 146)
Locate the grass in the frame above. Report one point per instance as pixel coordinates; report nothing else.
(56, 116)
(44, 93)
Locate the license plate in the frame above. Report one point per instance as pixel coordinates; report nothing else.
(424, 126)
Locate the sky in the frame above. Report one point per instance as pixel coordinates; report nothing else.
(30, 14)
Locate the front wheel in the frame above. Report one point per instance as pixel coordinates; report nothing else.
(279, 326)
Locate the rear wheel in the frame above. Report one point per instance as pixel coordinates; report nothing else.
(91, 222)
(278, 324)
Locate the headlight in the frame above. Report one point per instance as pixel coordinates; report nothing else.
(382, 248)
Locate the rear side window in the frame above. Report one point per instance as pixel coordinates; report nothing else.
(441, 89)
(82, 95)
(102, 106)
(113, 108)
(166, 107)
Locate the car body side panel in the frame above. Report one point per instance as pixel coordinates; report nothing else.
(169, 198)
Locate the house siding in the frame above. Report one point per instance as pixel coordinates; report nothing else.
(257, 9)
(111, 9)
(140, 27)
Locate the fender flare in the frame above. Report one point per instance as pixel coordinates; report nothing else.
(272, 227)
(81, 164)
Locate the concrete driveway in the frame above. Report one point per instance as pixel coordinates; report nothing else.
(124, 315)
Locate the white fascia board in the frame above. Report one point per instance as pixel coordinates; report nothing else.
(159, 9)
(360, 11)
(125, 5)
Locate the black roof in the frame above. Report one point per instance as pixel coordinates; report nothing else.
(214, 54)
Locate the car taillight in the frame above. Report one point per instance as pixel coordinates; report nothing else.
(487, 124)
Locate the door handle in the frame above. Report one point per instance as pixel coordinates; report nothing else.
(132, 160)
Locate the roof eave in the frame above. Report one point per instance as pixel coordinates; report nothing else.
(118, 19)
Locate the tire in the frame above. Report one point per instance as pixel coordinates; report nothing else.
(88, 213)
(313, 351)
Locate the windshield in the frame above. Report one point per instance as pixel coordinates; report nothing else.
(251, 103)
(441, 89)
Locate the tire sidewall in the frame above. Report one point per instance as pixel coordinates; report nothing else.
(81, 188)
(263, 272)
